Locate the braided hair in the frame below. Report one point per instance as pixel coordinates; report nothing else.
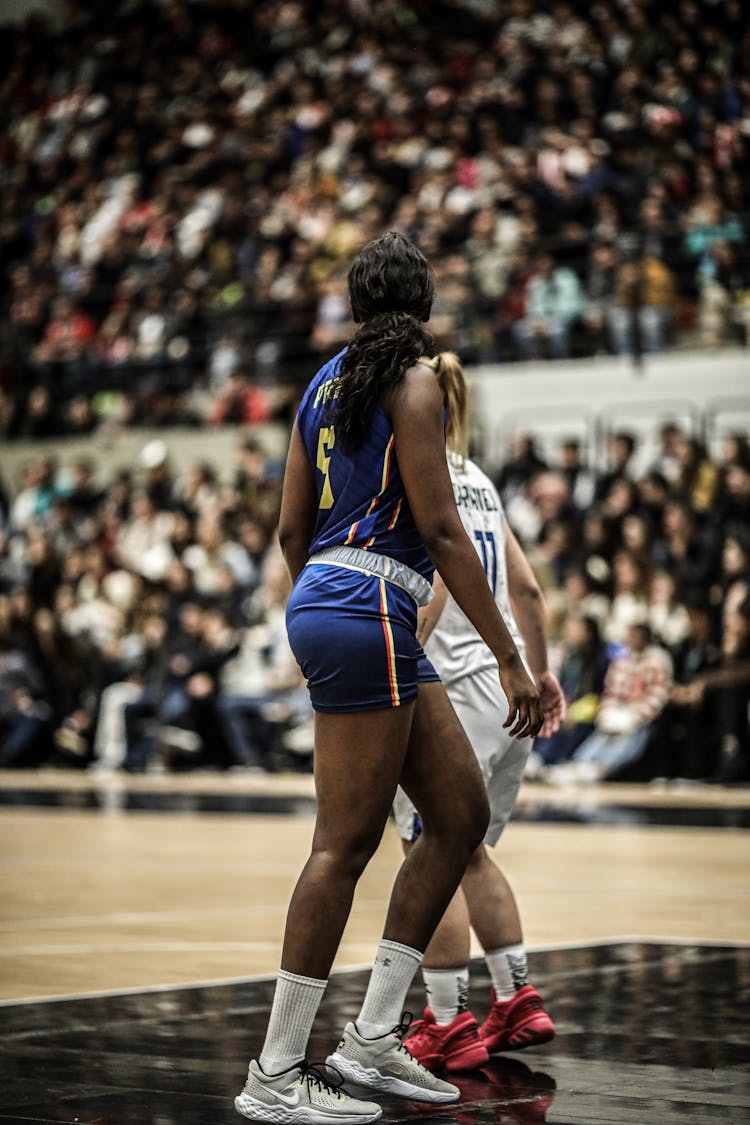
(391, 290)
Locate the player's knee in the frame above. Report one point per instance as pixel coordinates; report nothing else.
(348, 855)
(471, 820)
(480, 822)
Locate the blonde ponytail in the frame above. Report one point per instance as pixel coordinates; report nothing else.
(452, 382)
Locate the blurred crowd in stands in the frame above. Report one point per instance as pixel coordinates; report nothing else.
(184, 184)
(646, 574)
(142, 618)
(183, 187)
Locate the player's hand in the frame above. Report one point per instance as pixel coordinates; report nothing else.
(524, 712)
(552, 703)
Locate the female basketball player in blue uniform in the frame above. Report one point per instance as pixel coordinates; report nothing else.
(367, 512)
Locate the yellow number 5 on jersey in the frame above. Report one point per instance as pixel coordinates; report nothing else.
(326, 439)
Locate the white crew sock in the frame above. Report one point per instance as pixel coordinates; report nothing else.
(447, 992)
(508, 970)
(392, 973)
(295, 1004)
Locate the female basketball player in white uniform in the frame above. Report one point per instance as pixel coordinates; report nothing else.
(448, 1036)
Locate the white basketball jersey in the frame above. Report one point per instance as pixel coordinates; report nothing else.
(455, 648)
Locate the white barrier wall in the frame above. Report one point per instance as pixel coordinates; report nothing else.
(708, 392)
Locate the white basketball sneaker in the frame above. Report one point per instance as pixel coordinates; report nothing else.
(301, 1095)
(386, 1066)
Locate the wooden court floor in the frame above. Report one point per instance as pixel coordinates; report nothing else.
(102, 898)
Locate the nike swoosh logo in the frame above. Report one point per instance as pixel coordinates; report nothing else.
(288, 1099)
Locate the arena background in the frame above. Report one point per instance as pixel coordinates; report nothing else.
(183, 187)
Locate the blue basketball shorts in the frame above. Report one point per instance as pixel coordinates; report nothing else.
(354, 637)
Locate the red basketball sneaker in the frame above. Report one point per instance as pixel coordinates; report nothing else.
(514, 1024)
(452, 1046)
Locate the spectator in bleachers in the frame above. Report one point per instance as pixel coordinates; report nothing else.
(211, 553)
(143, 544)
(735, 497)
(629, 605)
(687, 737)
(735, 570)
(667, 616)
(239, 402)
(724, 297)
(141, 658)
(25, 715)
(554, 302)
(620, 452)
(599, 289)
(36, 495)
(637, 536)
(524, 463)
(726, 687)
(179, 701)
(262, 692)
(687, 548)
(653, 493)
(636, 690)
(580, 479)
(735, 449)
(582, 669)
(619, 502)
(643, 301)
(697, 476)
(666, 463)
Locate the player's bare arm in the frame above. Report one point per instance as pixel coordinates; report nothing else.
(298, 507)
(527, 603)
(430, 614)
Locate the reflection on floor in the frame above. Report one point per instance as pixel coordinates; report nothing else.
(540, 805)
(647, 1033)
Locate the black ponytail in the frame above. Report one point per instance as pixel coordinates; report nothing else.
(391, 289)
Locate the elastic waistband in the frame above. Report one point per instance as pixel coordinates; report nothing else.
(369, 562)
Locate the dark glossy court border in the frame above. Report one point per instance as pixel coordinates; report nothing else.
(648, 1033)
(544, 809)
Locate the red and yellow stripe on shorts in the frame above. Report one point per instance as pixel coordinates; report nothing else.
(390, 648)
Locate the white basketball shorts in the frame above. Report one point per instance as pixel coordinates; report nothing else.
(482, 708)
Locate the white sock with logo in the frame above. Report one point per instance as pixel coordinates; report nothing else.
(508, 970)
(447, 992)
(392, 973)
(295, 1005)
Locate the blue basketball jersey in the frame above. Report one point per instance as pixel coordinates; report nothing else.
(361, 497)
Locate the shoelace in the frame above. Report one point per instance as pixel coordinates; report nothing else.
(400, 1031)
(317, 1074)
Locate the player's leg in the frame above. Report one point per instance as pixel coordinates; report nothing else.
(358, 758)
(451, 943)
(441, 774)
(488, 901)
(516, 1018)
(443, 780)
(447, 1035)
(493, 915)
